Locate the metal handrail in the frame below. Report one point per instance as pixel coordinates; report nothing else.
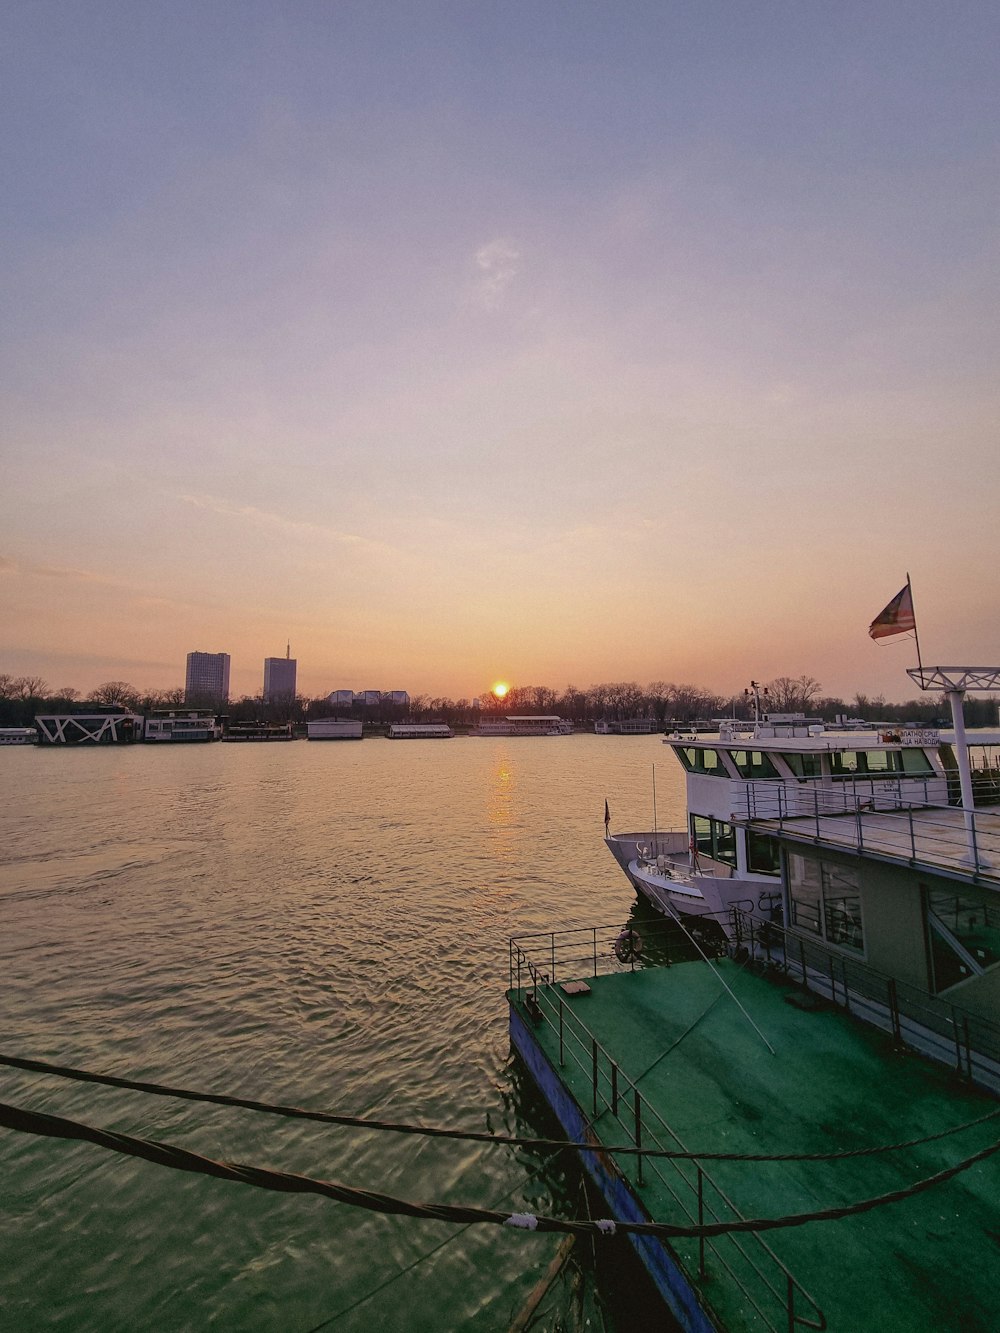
(927, 834)
(852, 984)
(579, 1045)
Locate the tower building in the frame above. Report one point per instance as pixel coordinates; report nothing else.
(279, 677)
(207, 679)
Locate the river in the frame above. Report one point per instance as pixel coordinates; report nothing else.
(323, 925)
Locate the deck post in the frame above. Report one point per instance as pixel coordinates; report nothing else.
(958, 1041)
(897, 1030)
(595, 950)
(701, 1221)
(968, 1047)
(562, 1053)
(638, 1134)
(593, 1053)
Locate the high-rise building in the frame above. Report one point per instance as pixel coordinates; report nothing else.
(279, 677)
(207, 679)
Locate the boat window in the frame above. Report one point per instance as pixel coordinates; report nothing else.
(842, 907)
(714, 838)
(964, 933)
(763, 853)
(916, 761)
(805, 893)
(753, 764)
(725, 842)
(697, 760)
(825, 899)
(868, 763)
(803, 765)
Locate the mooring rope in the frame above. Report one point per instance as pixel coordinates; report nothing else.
(466, 1135)
(286, 1182)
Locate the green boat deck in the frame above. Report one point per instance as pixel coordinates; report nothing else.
(708, 1083)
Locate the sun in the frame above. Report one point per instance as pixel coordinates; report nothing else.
(500, 690)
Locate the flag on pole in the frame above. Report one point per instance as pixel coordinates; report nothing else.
(607, 816)
(897, 618)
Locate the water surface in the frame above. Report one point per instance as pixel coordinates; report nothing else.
(317, 924)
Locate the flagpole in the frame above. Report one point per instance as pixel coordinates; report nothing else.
(915, 634)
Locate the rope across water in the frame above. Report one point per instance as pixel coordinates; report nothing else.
(470, 1136)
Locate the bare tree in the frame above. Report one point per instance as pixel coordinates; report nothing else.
(30, 687)
(117, 693)
(792, 696)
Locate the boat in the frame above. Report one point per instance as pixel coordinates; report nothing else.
(783, 764)
(259, 731)
(333, 729)
(628, 726)
(419, 731)
(524, 725)
(18, 736)
(182, 725)
(796, 1126)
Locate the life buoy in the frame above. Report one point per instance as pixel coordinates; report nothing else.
(628, 946)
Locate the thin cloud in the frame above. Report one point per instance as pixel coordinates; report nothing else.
(280, 522)
(497, 265)
(137, 596)
(8, 566)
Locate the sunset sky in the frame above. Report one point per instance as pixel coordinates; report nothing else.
(456, 342)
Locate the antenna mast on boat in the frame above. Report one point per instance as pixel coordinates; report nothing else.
(753, 696)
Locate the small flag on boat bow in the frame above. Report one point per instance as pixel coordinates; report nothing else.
(607, 817)
(897, 618)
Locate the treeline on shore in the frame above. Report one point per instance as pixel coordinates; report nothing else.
(21, 697)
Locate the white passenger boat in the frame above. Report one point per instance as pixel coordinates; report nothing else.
(627, 726)
(420, 731)
(18, 736)
(524, 725)
(182, 725)
(777, 766)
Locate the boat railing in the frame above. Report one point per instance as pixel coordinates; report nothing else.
(781, 798)
(914, 1017)
(774, 1298)
(879, 824)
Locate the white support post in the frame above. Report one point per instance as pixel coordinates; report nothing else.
(956, 698)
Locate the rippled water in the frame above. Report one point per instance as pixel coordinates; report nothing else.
(324, 925)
